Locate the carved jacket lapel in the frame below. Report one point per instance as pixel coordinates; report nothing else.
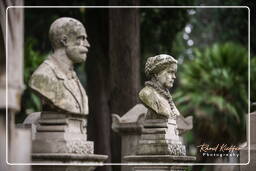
(84, 99)
(60, 75)
(69, 88)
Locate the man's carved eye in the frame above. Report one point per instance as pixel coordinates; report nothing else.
(81, 37)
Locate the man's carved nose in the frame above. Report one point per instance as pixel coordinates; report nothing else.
(86, 43)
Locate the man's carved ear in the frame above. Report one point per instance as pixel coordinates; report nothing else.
(64, 40)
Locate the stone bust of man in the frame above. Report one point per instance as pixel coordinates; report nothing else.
(160, 70)
(55, 80)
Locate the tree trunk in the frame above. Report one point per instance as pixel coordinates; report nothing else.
(124, 53)
(99, 123)
(113, 74)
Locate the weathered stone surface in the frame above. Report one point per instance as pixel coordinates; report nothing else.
(184, 124)
(67, 162)
(160, 140)
(159, 168)
(11, 62)
(155, 95)
(14, 36)
(62, 157)
(63, 168)
(61, 134)
(158, 159)
(140, 162)
(156, 102)
(244, 152)
(129, 126)
(130, 122)
(160, 134)
(55, 80)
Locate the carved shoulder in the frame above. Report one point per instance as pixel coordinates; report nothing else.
(44, 82)
(151, 99)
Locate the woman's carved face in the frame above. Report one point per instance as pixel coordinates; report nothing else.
(166, 77)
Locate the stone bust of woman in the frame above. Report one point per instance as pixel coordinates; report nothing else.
(160, 70)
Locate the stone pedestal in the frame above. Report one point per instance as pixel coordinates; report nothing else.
(244, 152)
(67, 162)
(160, 143)
(140, 162)
(61, 139)
(130, 127)
(62, 133)
(160, 137)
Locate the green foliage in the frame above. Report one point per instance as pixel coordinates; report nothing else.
(213, 87)
(32, 59)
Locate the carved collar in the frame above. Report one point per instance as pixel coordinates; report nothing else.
(67, 70)
(164, 92)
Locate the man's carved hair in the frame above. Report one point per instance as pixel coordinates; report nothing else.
(63, 26)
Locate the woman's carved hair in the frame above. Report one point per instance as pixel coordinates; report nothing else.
(158, 63)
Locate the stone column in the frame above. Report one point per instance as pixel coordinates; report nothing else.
(11, 63)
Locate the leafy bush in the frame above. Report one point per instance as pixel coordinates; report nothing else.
(32, 59)
(214, 89)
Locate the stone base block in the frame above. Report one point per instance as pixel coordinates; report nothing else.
(136, 160)
(165, 159)
(63, 168)
(66, 162)
(159, 168)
